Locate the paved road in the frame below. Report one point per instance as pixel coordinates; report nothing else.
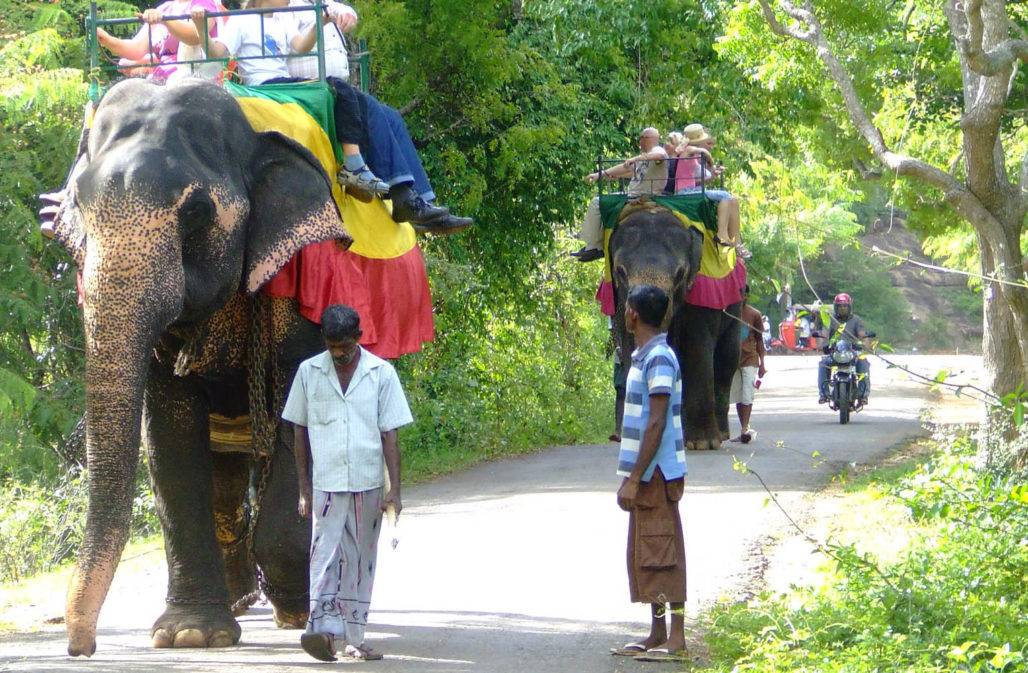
(517, 566)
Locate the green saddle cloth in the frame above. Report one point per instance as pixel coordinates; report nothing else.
(316, 98)
(697, 207)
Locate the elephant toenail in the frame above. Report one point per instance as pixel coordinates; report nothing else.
(190, 638)
(161, 638)
(222, 639)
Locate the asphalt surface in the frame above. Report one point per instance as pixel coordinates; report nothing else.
(517, 566)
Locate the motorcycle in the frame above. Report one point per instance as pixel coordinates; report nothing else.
(843, 378)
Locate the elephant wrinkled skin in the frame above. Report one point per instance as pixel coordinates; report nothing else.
(177, 212)
(652, 247)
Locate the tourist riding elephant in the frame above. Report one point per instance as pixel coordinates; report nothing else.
(652, 247)
(176, 213)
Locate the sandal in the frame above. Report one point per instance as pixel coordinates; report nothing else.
(629, 650)
(662, 654)
(321, 646)
(362, 653)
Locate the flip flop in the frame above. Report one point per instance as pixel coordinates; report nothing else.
(319, 645)
(629, 650)
(362, 653)
(662, 654)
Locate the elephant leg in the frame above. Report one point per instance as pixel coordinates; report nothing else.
(694, 341)
(178, 444)
(282, 539)
(726, 361)
(231, 482)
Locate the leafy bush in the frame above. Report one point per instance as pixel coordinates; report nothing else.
(41, 523)
(955, 601)
(867, 280)
(508, 376)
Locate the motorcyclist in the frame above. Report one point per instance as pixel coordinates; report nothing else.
(844, 324)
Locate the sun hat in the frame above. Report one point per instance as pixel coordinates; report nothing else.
(695, 133)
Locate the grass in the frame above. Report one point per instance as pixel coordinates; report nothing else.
(29, 604)
(928, 568)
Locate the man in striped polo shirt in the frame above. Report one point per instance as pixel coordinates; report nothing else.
(346, 405)
(652, 461)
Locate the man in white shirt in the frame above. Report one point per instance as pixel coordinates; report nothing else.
(346, 405)
(648, 173)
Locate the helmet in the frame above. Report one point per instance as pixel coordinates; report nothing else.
(843, 306)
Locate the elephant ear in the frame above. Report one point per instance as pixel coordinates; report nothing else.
(291, 206)
(61, 218)
(694, 255)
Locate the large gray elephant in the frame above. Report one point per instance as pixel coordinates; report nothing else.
(176, 213)
(651, 246)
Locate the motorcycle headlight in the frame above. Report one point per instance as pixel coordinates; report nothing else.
(843, 357)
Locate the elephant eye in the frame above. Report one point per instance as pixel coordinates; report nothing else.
(196, 212)
(621, 273)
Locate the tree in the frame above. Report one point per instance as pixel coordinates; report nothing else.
(980, 187)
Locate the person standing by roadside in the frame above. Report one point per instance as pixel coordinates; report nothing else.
(751, 367)
(652, 462)
(347, 405)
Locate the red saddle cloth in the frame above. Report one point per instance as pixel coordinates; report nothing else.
(391, 295)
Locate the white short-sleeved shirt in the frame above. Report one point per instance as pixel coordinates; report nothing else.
(241, 36)
(337, 64)
(345, 429)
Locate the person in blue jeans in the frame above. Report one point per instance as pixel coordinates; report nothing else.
(392, 168)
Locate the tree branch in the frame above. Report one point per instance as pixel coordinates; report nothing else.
(995, 60)
(898, 163)
(776, 26)
(956, 194)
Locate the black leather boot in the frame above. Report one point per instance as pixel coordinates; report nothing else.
(442, 226)
(408, 206)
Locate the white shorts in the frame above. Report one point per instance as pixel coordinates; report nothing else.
(742, 386)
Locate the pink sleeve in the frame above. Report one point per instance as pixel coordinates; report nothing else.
(210, 7)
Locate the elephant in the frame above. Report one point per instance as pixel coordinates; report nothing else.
(177, 212)
(650, 246)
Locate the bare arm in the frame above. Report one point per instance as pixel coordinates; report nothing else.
(305, 40)
(622, 170)
(302, 455)
(391, 452)
(202, 26)
(133, 48)
(761, 352)
(187, 32)
(652, 436)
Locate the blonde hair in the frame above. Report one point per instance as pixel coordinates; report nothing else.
(675, 139)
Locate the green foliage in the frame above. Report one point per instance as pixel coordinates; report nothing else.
(953, 601)
(519, 379)
(41, 522)
(866, 279)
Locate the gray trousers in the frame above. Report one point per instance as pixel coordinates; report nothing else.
(344, 547)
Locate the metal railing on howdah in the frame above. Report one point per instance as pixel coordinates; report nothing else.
(359, 59)
(627, 184)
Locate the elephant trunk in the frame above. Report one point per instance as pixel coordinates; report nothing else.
(127, 306)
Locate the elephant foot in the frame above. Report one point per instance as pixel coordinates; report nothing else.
(289, 619)
(198, 625)
(703, 444)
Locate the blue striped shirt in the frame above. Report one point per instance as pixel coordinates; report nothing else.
(654, 371)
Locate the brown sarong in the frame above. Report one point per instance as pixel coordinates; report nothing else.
(656, 545)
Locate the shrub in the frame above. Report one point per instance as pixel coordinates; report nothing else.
(41, 523)
(955, 601)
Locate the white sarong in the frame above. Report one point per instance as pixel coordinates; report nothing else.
(344, 548)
